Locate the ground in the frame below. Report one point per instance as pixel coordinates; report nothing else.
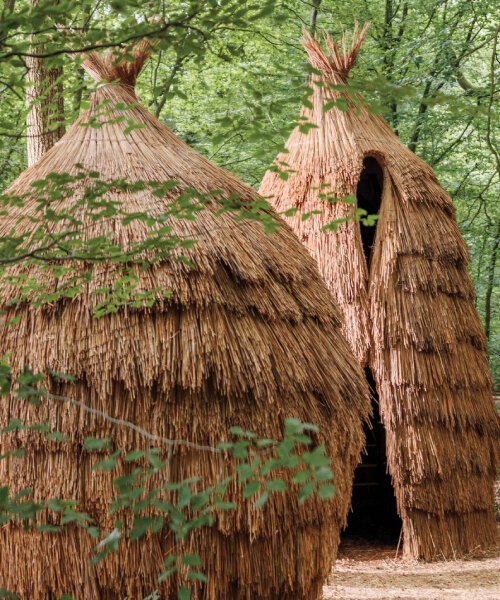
(368, 571)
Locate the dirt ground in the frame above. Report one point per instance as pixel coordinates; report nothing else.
(367, 571)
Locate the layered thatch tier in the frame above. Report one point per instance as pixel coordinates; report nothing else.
(249, 336)
(409, 315)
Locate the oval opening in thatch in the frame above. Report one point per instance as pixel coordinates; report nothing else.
(369, 197)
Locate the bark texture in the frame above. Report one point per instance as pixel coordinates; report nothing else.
(44, 98)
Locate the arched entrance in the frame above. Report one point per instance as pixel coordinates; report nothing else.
(374, 512)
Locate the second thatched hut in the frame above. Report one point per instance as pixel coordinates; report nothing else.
(407, 302)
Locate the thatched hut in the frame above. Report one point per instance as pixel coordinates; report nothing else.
(407, 302)
(249, 336)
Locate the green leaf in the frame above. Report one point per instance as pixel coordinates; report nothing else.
(323, 474)
(341, 104)
(134, 455)
(251, 488)
(192, 560)
(93, 532)
(141, 525)
(172, 487)
(221, 505)
(303, 439)
(6, 594)
(245, 471)
(4, 494)
(270, 465)
(225, 445)
(57, 436)
(302, 476)
(267, 10)
(326, 491)
(105, 465)
(310, 426)
(261, 500)
(328, 105)
(184, 593)
(131, 128)
(293, 426)
(19, 495)
(55, 504)
(96, 443)
(169, 560)
(240, 449)
(316, 458)
(157, 525)
(14, 321)
(14, 453)
(184, 496)
(13, 425)
(199, 500)
(236, 431)
(264, 442)
(197, 576)
(47, 528)
(165, 574)
(306, 491)
(276, 485)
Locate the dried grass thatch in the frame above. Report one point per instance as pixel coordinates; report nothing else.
(250, 335)
(409, 314)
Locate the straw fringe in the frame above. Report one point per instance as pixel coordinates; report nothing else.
(236, 558)
(411, 317)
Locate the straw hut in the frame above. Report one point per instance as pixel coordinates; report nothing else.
(407, 302)
(249, 337)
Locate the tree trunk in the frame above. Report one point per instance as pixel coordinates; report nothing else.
(79, 75)
(8, 6)
(314, 16)
(490, 283)
(496, 155)
(44, 98)
(388, 59)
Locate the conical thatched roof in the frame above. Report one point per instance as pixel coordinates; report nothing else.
(409, 314)
(249, 336)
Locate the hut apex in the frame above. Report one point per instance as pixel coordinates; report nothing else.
(249, 336)
(408, 311)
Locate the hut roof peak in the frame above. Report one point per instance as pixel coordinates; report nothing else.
(338, 59)
(110, 66)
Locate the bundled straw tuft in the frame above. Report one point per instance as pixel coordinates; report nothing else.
(112, 67)
(340, 60)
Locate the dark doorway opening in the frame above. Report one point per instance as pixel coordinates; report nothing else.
(369, 197)
(374, 512)
(374, 516)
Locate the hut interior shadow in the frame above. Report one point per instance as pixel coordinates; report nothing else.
(374, 513)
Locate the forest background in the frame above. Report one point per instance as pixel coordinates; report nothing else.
(229, 78)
